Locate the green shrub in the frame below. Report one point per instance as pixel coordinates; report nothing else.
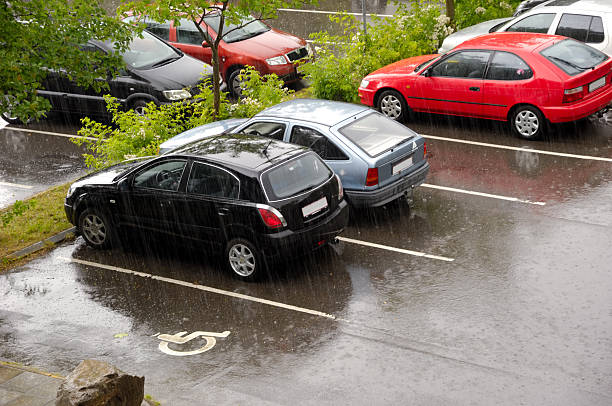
(130, 135)
(470, 12)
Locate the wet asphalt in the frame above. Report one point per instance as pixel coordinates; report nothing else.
(495, 287)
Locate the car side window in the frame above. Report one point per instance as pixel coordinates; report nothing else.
(463, 64)
(162, 30)
(584, 28)
(209, 180)
(317, 142)
(165, 175)
(534, 23)
(507, 66)
(187, 33)
(266, 129)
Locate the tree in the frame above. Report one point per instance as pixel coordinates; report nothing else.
(39, 35)
(236, 12)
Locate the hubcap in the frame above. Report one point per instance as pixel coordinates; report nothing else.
(237, 86)
(139, 110)
(391, 107)
(242, 260)
(94, 229)
(527, 123)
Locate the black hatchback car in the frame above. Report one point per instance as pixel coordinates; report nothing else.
(254, 198)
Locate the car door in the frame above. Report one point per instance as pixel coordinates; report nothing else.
(507, 83)
(189, 40)
(153, 200)
(453, 85)
(210, 202)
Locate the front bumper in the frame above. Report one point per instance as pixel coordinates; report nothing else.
(366, 96)
(385, 194)
(288, 243)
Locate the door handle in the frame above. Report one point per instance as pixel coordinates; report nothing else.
(223, 211)
(474, 89)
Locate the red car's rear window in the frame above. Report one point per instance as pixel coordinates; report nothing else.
(573, 57)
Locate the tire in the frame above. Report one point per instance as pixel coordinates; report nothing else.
(11, 120)
(527, 122)
(393, 105)
(96, 228)
(234, 83)
(244, 260)
(139, 106)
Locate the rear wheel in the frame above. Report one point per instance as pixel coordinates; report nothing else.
(96, 229)
(235, 84)
(393, 105)
(527, 122)
(243, 259)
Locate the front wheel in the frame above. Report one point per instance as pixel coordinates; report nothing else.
(235, 83)
(527, 122)
(243, 259)
(393, 105)
(96, 228)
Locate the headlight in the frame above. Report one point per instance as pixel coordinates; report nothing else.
(364, 84)
(310, 49)
(277, 60)
(173, 95)
(71, 190)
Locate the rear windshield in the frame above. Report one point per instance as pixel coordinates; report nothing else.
(573, 57)
(375, 133)
(298, 175)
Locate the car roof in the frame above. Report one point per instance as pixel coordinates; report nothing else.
(245, 153)
(325, 112)
(574, 5)
(510, 41)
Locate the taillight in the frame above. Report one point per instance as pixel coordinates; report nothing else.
(424, 150)
(372, 177)
(271, 217)
(571, 95)
(340, 190)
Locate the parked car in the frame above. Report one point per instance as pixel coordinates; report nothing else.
(154, 72)
(377, 159)
(250, 42)
(589, 21)
(527, 5)
(470, 32)
(253, 198)
(521, 78)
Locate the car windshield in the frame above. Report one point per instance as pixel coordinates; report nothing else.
(297, 175)
(419, 66)
(375, 133)
(573, 57)
(237, 32)
(149, 52)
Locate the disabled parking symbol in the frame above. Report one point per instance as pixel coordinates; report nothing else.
(181, 338)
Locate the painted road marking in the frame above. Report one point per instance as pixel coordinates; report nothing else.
(332, 12)
(179, 339)
(394, 249)
(25, 130)
(535, 151)
(469, 192)
(203, 287)
(15, 185)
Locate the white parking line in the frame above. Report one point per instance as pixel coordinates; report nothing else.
(15, 185)
(25, 130)
(332, 12)
(536, 151)
(400, 250)
(202, 287)
(469, 192)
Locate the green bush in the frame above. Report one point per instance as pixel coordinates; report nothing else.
(130, 135)
(470, 12)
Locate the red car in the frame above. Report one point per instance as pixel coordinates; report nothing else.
(255, 43)
(522, 78)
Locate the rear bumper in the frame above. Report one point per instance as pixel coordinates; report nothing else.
(288, 243)
(579, 110)
(385, 194)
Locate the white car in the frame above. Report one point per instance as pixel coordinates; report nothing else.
(588, 21)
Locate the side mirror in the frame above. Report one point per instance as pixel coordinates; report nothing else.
(124, 185)
(205, 44)
(426, 73)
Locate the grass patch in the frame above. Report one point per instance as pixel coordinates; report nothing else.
(27, 222)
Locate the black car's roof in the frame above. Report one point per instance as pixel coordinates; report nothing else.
(246, 153)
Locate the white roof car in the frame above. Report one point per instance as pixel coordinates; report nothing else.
(588, 21)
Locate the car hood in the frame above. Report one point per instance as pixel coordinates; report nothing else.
(182, 73)
(201, 132)
(470, 32)
(270, 43)
(107, 176)
(405, 66)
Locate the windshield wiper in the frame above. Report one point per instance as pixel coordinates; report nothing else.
(573, 65)
(165, 61)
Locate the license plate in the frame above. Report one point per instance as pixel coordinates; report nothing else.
(314, 207)
(397, 168)
(597, 84)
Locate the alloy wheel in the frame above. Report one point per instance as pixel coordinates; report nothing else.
(94, 229)
(391, 106)
(242, 260)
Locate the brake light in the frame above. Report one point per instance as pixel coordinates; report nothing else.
(372, 177)
(424, 150)
(571, 95)
(271, 217)
(340, 189)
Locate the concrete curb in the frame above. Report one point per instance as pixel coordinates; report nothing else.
(59, 237)
(25, 368)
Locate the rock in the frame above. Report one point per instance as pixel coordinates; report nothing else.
(97, 383)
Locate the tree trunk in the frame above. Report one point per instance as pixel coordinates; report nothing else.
(450, 10)
(215, 85)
